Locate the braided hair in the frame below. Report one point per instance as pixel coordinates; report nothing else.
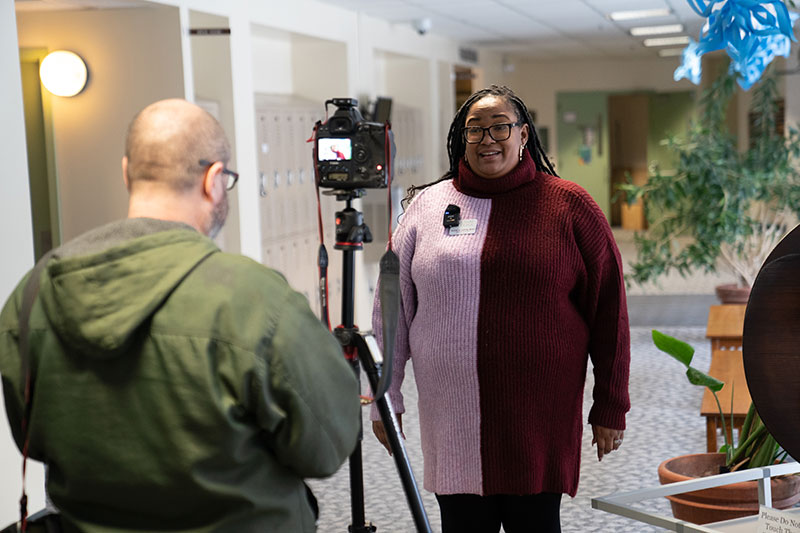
(456, 145)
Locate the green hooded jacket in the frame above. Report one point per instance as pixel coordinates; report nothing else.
(177, 388)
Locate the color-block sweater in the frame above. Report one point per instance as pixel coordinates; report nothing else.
(499, 322)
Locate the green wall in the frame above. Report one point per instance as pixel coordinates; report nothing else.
(586, 164)
(670, 114)
(41, 162)
(589, 165)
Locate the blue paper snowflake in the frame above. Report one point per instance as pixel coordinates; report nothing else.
(752, 32)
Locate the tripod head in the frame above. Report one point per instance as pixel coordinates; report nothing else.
(351, 232)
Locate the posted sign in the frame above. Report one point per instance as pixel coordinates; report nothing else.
(773, 521)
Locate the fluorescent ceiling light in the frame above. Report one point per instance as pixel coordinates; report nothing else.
(667, 41)
(639, 14)
(670, 52)
(656, 30)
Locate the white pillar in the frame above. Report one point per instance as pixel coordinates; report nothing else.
(435, 126)
(186, 52)
(16, 239)
(245, 130)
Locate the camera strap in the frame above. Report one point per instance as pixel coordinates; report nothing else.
(389, 293)
(28, 298)
(389, 284)
(322, 254)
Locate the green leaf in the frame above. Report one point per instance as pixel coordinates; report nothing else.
(699, 378)
(672, 346)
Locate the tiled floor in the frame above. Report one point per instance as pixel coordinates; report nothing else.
(664, 421)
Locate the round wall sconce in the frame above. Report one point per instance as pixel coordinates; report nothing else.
(63, 73)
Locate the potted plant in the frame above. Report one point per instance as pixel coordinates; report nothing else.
(755, 448)
(720, 205)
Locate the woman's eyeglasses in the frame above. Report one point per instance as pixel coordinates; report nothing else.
(233, 177)
(498, 132)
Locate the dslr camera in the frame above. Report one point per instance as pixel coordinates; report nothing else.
(350, 152)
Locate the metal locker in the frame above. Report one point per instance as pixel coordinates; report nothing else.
(265, 142)
(303, 155)
(293, 134)
(278, 176)
(269, 252)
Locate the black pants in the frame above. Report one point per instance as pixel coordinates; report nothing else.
(470, 513)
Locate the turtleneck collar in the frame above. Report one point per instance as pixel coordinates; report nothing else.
(470, 183)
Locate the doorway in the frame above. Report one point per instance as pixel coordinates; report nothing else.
(465, 79)
(629, 119)
(638, 125)
(41, 154)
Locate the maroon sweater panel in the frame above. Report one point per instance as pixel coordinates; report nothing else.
(551, 294)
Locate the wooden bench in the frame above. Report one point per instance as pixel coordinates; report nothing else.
(726, 365)
(724, 330)
(725, 326)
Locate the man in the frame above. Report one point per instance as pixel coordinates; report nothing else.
(176, 387)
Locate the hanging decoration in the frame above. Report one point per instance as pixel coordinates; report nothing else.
(752, 32)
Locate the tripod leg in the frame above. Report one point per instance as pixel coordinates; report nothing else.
(395, 442)
(357, 494)
(356, 468)
(403, 466)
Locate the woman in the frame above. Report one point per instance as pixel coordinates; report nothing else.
(498, 315)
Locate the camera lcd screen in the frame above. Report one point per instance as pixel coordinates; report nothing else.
(339, 149)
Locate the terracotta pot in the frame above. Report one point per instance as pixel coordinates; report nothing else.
(731, 293)
(720, 503)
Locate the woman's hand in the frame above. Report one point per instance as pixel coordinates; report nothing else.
(607, 440)
(380, 431)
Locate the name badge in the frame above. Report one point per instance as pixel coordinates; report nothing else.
(466, 227)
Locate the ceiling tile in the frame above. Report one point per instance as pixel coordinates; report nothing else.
(395, 12)
(541, 28)
(608, 6)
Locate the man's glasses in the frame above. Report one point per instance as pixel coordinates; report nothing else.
(498, 132)
(233, 177)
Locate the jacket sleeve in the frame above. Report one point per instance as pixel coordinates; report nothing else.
(404, 248)
(308, 399)
(606, 313)
(11, 362)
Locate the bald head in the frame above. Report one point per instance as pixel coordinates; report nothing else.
(165, 142)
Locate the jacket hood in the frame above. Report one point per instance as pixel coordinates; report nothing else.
(99, 290)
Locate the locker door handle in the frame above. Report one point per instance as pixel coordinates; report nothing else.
(277, 179)
(289, 177)
(262, 184)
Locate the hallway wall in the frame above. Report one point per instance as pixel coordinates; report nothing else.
(134, 58)
(538, 82)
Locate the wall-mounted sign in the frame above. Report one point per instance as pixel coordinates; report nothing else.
(210, 31)
(468, 54)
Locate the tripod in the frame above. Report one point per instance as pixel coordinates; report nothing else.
(351, 232)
